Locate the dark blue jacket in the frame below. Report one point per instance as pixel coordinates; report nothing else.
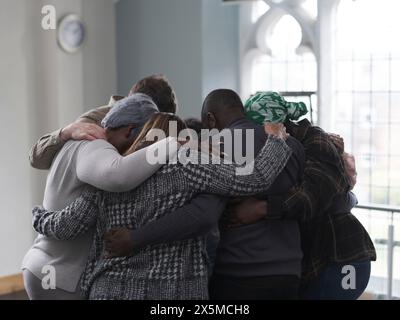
(268, 247)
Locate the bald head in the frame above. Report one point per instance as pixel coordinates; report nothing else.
(220, 108)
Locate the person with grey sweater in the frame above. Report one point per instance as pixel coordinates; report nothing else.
(204, 208)
(78, 164)
(175, 270)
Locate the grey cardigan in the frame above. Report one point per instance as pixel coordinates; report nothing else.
(175, 270)
(77, 165)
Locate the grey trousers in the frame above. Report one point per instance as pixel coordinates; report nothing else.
(35, 291)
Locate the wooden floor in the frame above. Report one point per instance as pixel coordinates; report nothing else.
(15, 296)
(23, 296)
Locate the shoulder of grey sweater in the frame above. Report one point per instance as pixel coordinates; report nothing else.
(90, 146)
(67, 156)
(75, 145)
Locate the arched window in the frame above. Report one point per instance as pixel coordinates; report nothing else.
(282, 58)
(284, 69)
(348, 52)
(280, 55)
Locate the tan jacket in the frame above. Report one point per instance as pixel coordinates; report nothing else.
(43, 152)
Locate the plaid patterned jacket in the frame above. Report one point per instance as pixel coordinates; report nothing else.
(329, 234)
(176, 270)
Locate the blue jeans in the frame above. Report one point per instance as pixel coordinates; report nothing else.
(328, 285)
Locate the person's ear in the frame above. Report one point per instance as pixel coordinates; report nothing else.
(128, 131)
(211, 120)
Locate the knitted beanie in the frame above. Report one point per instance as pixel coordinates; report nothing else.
(135, 109)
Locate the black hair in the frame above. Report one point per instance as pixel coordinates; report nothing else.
(221, 100)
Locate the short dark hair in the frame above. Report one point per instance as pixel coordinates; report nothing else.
(222, 99)
(159, 89)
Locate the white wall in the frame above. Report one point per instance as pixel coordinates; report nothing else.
(15, 195)
(220, 41)
(41, 89)
(193, 42)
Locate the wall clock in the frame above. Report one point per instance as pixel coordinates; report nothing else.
(71, 33)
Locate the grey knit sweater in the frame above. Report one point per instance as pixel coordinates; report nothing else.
(175, 270)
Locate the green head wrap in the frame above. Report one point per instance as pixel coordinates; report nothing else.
(271, 107)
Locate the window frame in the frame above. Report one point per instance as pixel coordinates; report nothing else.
(316, 37)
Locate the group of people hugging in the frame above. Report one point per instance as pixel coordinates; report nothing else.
(115, 225)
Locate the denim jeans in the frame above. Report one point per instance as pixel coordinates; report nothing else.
(328, 285)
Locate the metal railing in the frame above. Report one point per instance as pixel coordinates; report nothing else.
(390, 241)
